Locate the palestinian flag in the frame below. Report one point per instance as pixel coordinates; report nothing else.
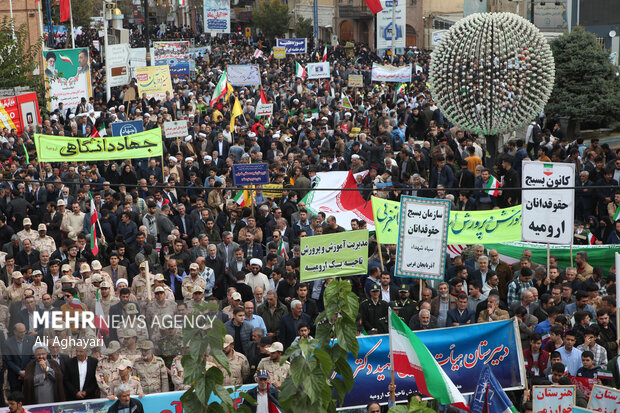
(281, 252)
(242, 198)
(408, 355)
(324, 58)
(346, 102)
(591, 238)
(93, 227)
(220, 89)
(492, 186)
(300, 71)
(100, 323)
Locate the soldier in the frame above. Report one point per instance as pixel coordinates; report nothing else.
(66, 281)
(151, 370)
(406, 306)
(374, 312)
(27, 232)
(38, 286)
(125, 377)
(278, 372)
(194, 280)
(177, 372)
(197, 299)
(130, 339)
(170, 344)
(159, 310)
(84, 285)
(139, 284)
(237, 363)
(15, 291)
(160, 281)
(132, 321)
(106, 299)
(44, 242)
(107, 368)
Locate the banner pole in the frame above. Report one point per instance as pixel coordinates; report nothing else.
(548, 256)
(617, 265)
(148, 280)
(391, 354)
(571, 254)
(380, 255)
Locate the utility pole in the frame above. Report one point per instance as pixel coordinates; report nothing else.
(532, 11)
(147, 31)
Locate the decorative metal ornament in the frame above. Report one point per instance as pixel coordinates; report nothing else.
(492, 73)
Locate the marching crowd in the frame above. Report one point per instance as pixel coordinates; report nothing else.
(176, 218)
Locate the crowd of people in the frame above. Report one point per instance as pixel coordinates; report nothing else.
(177, 218)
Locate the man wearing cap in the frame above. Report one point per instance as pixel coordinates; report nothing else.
(255, 278)
(266, 396)
(107, 368)
(139, 284)
(160, 281)
(129, 342)
(15, 291)
(190, 283)
(407, 306)
(151, 370)
(44, 242)
(198, 296)
(374, 312)
(234, 301)
(177, 373)
(237, 363)
(124, 377)
(158, 310)
(27, 232)
(278, 372)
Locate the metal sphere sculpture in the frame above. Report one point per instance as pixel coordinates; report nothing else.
(492, 73)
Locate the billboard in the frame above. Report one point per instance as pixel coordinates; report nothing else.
(154, 81)
(384, 24)
(217, 16)
(173, 54)
(67, 77)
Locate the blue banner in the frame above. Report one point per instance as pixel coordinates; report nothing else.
(461, 351)
(293, 46)
(250, 174)
(127, 128)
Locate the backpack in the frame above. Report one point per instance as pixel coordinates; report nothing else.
(537, 134)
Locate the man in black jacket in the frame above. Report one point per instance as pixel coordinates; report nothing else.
(259, 392)
(17, 353)
(74, 390)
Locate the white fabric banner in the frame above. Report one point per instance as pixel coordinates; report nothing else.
(243, 75)
(382, 73)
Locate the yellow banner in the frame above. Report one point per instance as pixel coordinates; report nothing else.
(272, 194)
(465, 227)
(154, 81)
(52, 148)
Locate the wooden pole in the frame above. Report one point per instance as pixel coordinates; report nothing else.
(148, 280)
(380, 256)
(392, 392)
(163, 177)
(571, 254)
(548, 256)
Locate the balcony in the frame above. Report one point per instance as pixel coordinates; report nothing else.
(354, 12)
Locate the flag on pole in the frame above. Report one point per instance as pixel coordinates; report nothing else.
(374, 6)
(242, 198)
(489, 396)
(591, 238)
(399, 89)
(492, 186)
(263, 96)
(408, 355)
(236, 111)
(98, 131)
(346, 102)
(220, 89)
(281, 251)
(100, 323)
(65, 10)
(258, 53)
(94, 247)
(300, 71)
(324, 54)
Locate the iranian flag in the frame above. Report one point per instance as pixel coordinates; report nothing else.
(93, 227)
(408, 355)
(220, 89)
(100, 323)
(492, 186)
(591, 238)
(400, 89)
(242, 198)
(300, 71)
(281, 251)
(324, 58)
(616, 215)
(98, 131)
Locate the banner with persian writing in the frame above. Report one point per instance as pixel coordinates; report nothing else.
(604, 399)
(386, 73)
(52, 148)
(334, 255)
(422, 238)
(553, 399)
(464, 227)
(462, 352)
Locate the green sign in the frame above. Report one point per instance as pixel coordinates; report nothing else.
(465, 227)
(52, 148)
(334, 255)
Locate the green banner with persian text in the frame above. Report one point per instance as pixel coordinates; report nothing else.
(52, 148)
(465, 227)
(334, 255)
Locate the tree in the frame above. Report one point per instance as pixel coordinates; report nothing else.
(310, 386)
(82, 11)
(303, 27)
(586, 88)
(272, 18)
(18, 61)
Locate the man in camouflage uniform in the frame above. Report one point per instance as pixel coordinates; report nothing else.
(197, 299)
(106, 297)
(190, 283)
(151, 370)
(159, 311)
(177, 372)
(139, 286)
(107, 369)
(237, 362)
(132, 321)
(44, 242)
(15, 291)
(124, 377)
(160, 281)
(27, 232)
(277, 372)
(170, 344)
(130, 339)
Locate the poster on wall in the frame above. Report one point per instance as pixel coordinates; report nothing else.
(67, 77)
